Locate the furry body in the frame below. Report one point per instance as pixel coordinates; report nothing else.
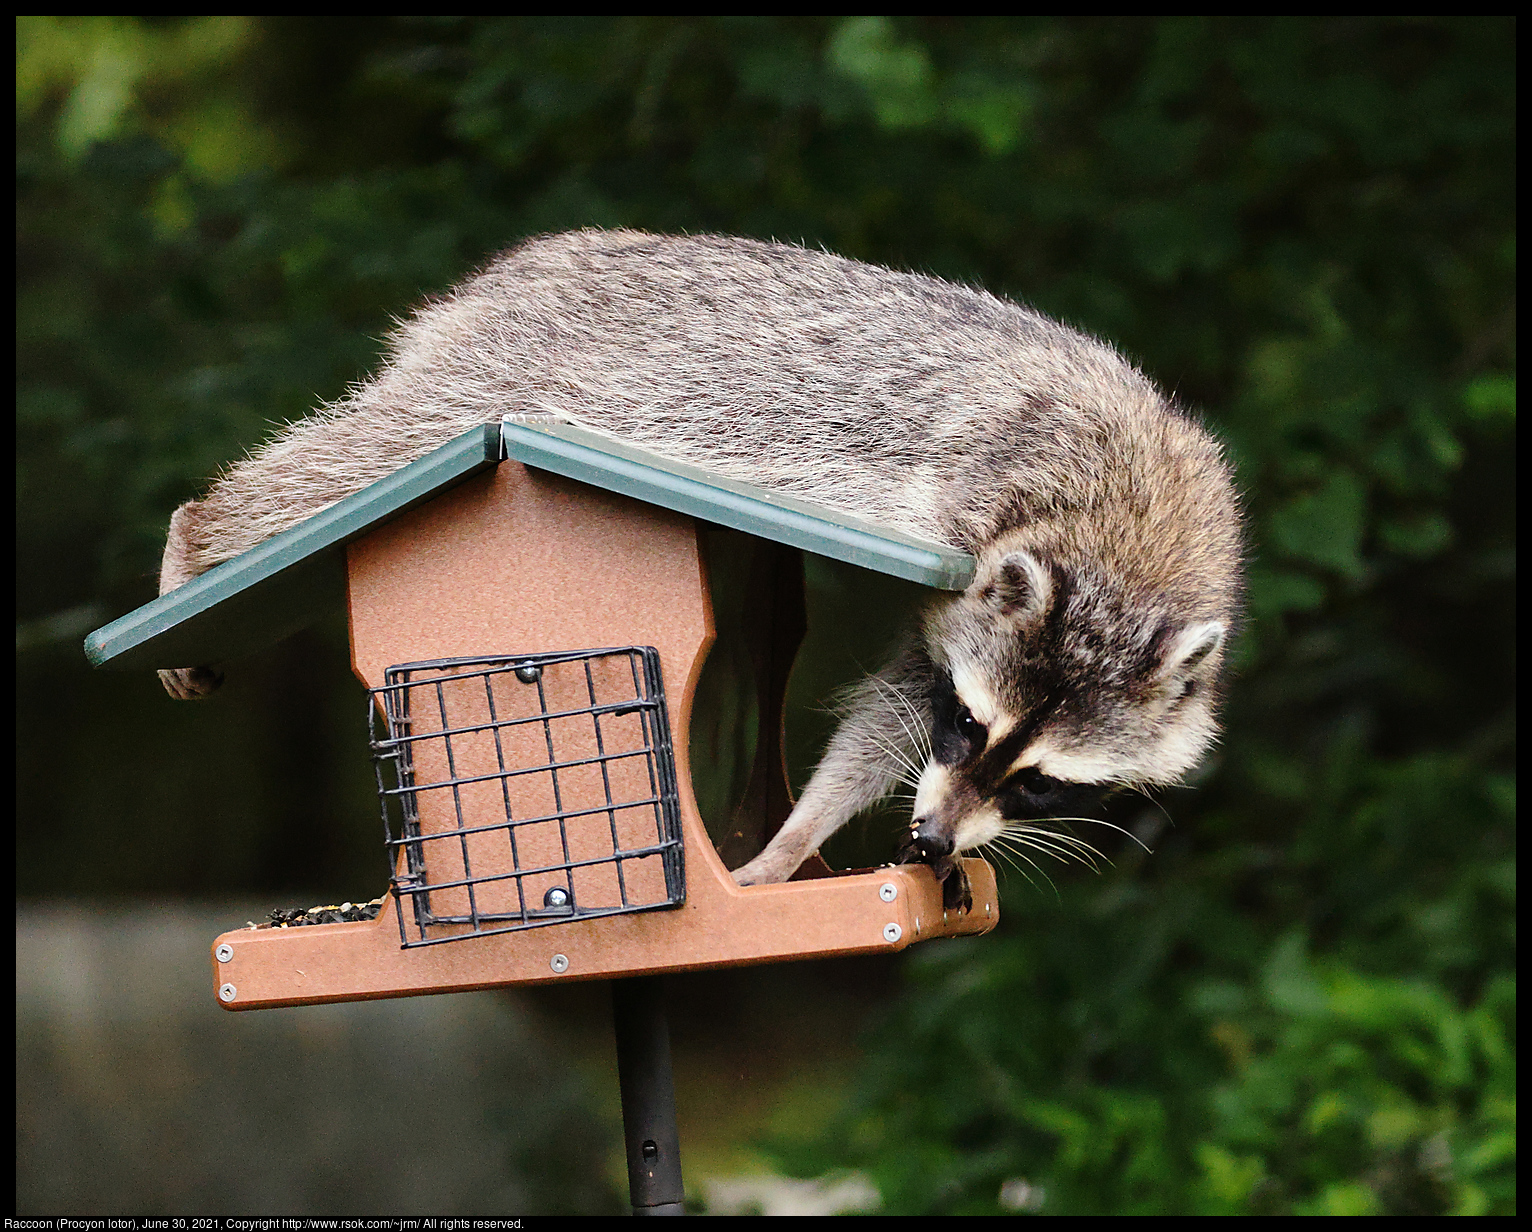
(1104, 520)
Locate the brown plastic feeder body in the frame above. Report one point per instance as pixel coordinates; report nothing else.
(518, 561)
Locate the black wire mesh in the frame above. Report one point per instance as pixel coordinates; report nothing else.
(526, 790)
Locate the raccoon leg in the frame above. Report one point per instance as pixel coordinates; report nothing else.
(177, 568)
(882, 740)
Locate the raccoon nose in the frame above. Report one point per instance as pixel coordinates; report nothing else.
(929, 840)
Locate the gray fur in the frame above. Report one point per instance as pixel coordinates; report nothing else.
(1105, 521)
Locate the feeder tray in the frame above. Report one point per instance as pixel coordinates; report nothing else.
(336, 913)
(529, 610)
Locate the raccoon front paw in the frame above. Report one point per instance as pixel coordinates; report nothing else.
(763, 870)
(957, 894)
(189, 684)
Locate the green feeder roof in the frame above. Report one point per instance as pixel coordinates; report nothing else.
(283, 584)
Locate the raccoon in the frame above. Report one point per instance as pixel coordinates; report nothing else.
(1087, 651)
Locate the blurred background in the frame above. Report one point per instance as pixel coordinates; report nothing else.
(1302, 1002)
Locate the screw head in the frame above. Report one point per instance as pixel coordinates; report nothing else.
(528, 673)
(892, 932)
(227, 992)
(888, 891)
(557, 896)
(559, 963)
(224, 952)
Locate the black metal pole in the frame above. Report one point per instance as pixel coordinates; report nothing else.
(648, 1096)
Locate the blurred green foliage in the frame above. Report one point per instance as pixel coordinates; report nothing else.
(1304, 1001)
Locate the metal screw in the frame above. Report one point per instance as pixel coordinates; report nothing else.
(892, 932)
(557, 896)
(888, 891)
(559, 963)
(227, 993)
(224, 952)
(528, 673)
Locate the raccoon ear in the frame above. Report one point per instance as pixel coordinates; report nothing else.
(1191, 652)
(1016, 587)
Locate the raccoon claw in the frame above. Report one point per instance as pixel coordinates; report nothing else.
(188, 684)
(957, 894)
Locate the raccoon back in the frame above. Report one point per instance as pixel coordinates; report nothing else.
(913, 402)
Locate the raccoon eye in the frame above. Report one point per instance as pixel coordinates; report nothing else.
(1035, 782)
(969, 727)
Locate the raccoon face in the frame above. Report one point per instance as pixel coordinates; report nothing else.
(1048, 685)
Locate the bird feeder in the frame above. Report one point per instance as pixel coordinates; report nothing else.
(529, 609)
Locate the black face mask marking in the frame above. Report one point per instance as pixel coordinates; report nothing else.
(956, 736)
(958, 740)
(1030, 795)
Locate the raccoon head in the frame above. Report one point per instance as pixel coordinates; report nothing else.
(1048, 684)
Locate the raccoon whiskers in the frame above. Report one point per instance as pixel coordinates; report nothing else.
(1003, 855)
(900, 756)
(1096, 821)
(911, 772)
(918, 726)
(1067, 844)
(1051, 842)
(1010, 863)
(1138, 790)
(919, 737)
(1062, 845)
(1010, 856)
